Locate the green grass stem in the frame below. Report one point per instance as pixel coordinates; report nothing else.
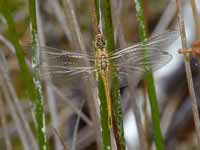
(117, 113)
(39, 102)
(32, 85)
(105, 132)
(149, 80)
(115, 96)
(5, 10)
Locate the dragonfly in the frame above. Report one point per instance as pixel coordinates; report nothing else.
(135, 59)
(139, 58)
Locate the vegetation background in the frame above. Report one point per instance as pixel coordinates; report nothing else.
(68, 113)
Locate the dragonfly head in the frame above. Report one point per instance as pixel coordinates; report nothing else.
(100, 41)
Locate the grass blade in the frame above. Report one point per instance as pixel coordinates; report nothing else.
(39, 102)
(104, 116)
(33, 89)
(105, 132)
(149, 80)
(16, 101)
(103, 87)
(115, 97)
(189, 73)
(5, 10)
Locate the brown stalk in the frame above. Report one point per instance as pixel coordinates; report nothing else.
(146, 117)
(4, 125)
(94, 17)
(196, 18)
(188, 72)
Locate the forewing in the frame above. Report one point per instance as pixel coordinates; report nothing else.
(137, 64)
(160, 41)
(60, 65)
(138, 59)
(144, 60)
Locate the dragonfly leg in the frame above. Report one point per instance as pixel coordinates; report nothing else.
(182, 51)
(194, 50)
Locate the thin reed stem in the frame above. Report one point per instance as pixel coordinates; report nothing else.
(150, 80)
(115, 97)
(4, 126)
(75, 133)
(50, 94)
(33, 89)
(146, 116)
(196, 18)
(95, 15)
(39, 102)
(188, 72)
(105, 132)
(6, 74)
(131, 83)
(13, 113)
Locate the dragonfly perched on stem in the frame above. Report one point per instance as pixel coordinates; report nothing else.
(139, 58)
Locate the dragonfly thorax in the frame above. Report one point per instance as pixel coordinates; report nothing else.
(102, 60)
(103, 63)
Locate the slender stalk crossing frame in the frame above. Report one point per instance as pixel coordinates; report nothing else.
(115, 95)
(188, 72)
(149, 80)
(107, 99)
(31, 84)
(196, 18)
(39, 102)
(105, 132)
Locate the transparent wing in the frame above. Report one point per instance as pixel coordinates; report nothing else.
(143, 62)
(58, 73)
(160, 41)
(53, 55)
(137, 65)
(61, 65)
(136, 60)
